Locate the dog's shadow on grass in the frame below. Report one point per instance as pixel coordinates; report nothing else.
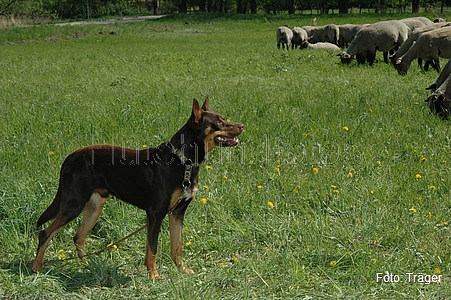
(97, 273)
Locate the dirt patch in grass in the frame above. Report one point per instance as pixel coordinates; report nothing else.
(57, 39)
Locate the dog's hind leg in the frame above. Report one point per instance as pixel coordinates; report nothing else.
(46, 235)
(70, 208)
(91, 214)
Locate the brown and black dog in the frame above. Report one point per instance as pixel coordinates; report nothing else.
(160, 180)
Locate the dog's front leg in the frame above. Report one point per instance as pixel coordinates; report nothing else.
(154, 221)
(175, 227)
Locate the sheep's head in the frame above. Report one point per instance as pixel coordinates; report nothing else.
(439, 104)
(401, 67)
(345, 58)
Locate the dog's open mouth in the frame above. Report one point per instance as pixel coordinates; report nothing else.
(226, 141)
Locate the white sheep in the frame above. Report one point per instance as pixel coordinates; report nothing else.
(440, 100)
(412, 38)
(284, 36)
(416, 22)
(320, 46)
(327, 33)
(347, 33)
(382, 36)
(430, 45)
(299, 36)
(442, 77)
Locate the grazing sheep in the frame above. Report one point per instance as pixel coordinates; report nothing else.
(416, 22)
(284, 36)
(382, 36)
(320, 46)
(430, 45)
(439, 20)
(442, 77)
(327, 33)
(347, 33)
(412, 38)
(299, 36)
(440, 100)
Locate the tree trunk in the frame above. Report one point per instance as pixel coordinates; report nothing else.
(202, 5)
(343, 6)
(182, 7)
(416, 6)
(291, 7)
(240, 7)
(253, 6)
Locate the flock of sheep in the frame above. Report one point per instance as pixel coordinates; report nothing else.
(404, 40)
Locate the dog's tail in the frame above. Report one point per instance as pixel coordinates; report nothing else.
(52, 211)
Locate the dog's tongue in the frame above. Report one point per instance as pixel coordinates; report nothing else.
(226, 141)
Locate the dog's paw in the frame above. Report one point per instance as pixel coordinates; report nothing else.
(187, 271)
(154, 275)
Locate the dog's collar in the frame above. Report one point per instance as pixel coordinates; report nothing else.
(189, 164)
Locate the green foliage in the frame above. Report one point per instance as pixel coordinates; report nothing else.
(85, 9)
(342, 172)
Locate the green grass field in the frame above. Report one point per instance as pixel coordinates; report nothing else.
(342, 172)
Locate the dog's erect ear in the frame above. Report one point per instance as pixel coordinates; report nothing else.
(205, 106)
(197, 112)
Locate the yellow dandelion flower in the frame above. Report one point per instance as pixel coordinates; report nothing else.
(333, 186)
(315, 170)
(418, 176)
(236, 259)
(295, 191)
(333, 263)
(225, 177)
(206, 187)
(144, 146)
(413, 209)
(437, 271)
(423, 158)
(60, 254)
(259, 187)
(114, 246)
(277, 169)
(254, 295)
(188, 244)
(221, 264)
(350, 174)
(336, 191)
(51, 153)
(208, 167)
(372, 192)
(345, 128)
(432, 187)
(228, 120)
(445, 223)
(203, 201)
(356, 180)
(270, 204)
